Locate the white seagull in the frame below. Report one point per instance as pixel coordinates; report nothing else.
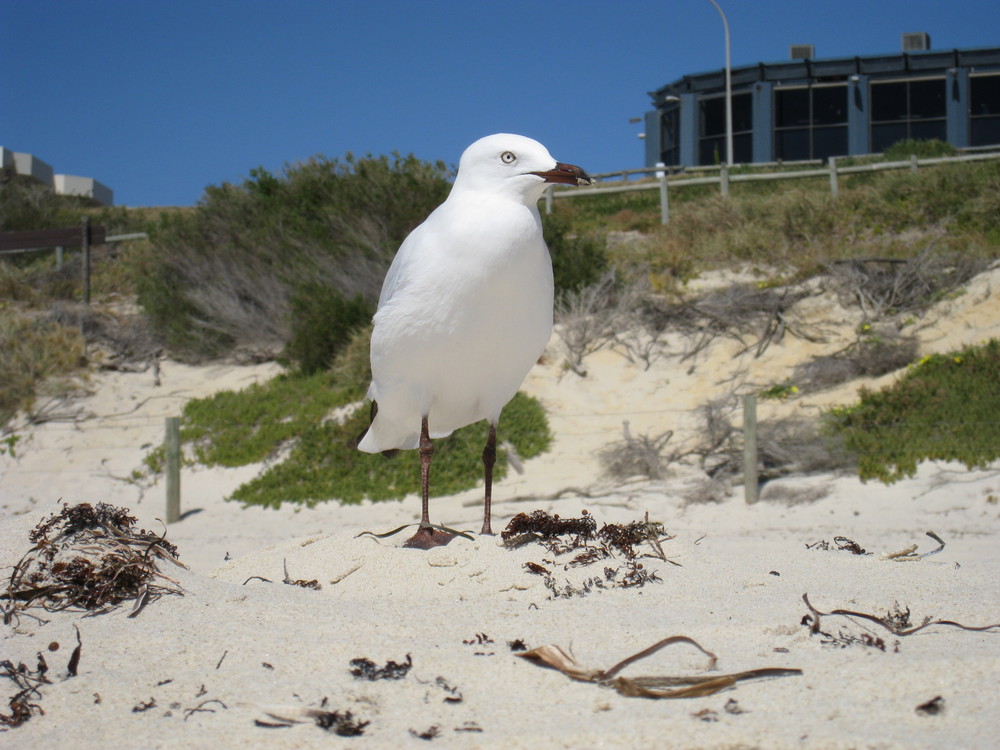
(465, 309)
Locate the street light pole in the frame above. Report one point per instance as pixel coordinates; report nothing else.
(729, 90)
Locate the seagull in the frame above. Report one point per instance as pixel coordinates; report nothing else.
(465, 310)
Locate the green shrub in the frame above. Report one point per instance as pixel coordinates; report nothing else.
(322, 322)
(252, 425)
(922, 149)
(31, 350)
(578, 259)
(235, 428)
(326, 465)
(222, 276)
(945, 408)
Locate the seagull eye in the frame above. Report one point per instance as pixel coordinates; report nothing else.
(508, 157)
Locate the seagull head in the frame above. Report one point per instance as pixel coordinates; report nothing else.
(514, 165)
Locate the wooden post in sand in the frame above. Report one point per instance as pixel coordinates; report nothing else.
(173, 448)
(750, 479)
(661, 175)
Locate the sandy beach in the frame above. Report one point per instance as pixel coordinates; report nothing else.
(242, 659)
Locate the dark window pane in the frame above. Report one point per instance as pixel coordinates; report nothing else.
(791, 108)
(889, 101)
(829, 105)
(984, 95)
(742, 113)
(742, 148)
(985, 131)
(884, 136)
(711, 151)
(927, 99)
(925, 130)
(829, 142)
(791, 145)
(713, 116)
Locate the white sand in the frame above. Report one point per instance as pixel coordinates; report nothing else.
(738, 589)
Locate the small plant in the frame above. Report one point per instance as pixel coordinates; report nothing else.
(779, 392)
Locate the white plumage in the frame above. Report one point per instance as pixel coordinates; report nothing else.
(466, 307)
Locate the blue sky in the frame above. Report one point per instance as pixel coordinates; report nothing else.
(158, 99)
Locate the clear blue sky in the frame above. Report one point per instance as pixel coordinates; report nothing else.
(159, 98)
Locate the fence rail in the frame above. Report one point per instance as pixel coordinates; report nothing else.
(668, 178)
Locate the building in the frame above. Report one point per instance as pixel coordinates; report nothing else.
(808, 108)
(28, 165)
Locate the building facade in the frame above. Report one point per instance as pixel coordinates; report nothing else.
(808, 108)
(30, 166)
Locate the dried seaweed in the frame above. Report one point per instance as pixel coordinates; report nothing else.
(843, 543)
(580, 535)
(650, 687)
(341, 723)
(933, 707)
(906, 554)
(24, 703)
(896, 622)
(367, 670)
(200, 708)
(539, 525)
(428, 734)
(313, 584)
(481, 639)
(91, 558)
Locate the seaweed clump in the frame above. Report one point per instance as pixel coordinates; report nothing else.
(589, 545)
(91, 558)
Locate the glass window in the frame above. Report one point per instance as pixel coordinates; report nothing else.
(712, 129)
(984, 95)
(829, 141)
(985, 131)
(742, 113)
(670, 137)
(792, 144)
(927, 99)
(926, 130)
(984, 109)
(908, 109)
(888, 101)
(713, 116)
(886, 134)
(810, 122)
(712, 150)
(791, 107)
(829, 105)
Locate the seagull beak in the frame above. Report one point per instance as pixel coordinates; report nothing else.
(566, 174)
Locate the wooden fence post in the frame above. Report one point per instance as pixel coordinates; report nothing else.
(834, 185)
(724, 179)
(913, 163)
(548, 199)
(85, 245)
(173, 447)
(664, 193)
(750, 478)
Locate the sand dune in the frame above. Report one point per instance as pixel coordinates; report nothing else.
(199, 670)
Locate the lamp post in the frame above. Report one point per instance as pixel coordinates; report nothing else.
(729, 90)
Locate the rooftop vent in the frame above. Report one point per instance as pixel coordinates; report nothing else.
(801, 51)
(918, 41)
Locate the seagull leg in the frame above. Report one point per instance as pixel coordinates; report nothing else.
(426, 536)
(489, 458)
